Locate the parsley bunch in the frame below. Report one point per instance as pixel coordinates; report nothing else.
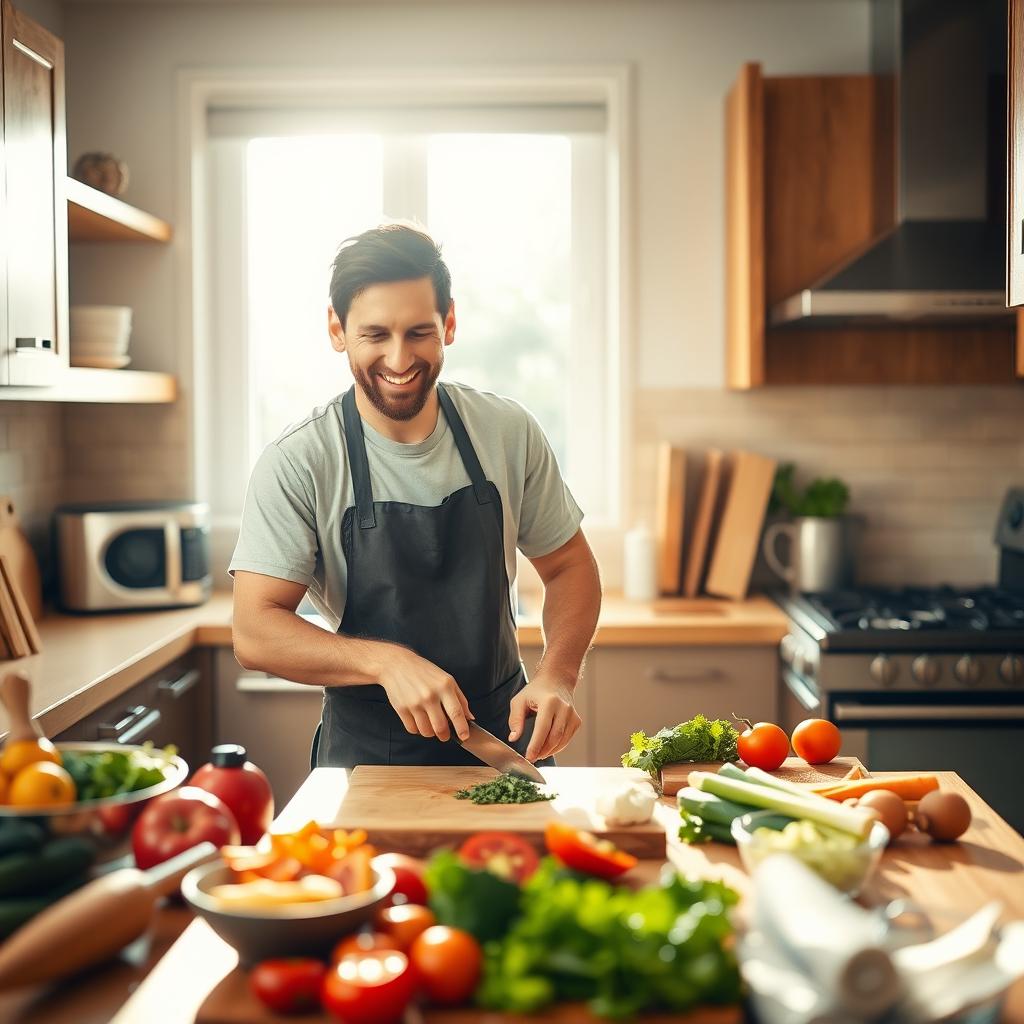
(695, 740)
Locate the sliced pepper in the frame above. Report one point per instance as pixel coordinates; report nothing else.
(583, 851)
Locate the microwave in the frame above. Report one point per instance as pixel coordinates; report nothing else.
(120, 556)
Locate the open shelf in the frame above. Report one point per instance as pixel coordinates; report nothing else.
(93, 216)
(84, 384)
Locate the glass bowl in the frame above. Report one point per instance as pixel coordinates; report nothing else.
(846, 869)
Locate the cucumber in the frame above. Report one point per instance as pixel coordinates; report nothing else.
(20, 836)
(32, 874)
(720, 833)
(709, 807)
(14, 913)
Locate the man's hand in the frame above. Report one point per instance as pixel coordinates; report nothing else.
(424, 695)
(550, 699)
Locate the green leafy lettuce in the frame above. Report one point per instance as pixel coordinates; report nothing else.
(579, 938)
(474, 900)
(696, 740)
(98, 774)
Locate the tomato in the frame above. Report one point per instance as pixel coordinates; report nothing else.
(816, 740)
(447, 962)
(242, 786)
(178, 821)
(353, 870)
(289, 985)
(408, 878)
(404, 922)
(763, 746)
(362, 942)
(369, 988)
(504, 854)
(582, 851)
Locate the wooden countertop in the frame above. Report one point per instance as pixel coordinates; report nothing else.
(986, 864)
(88, 660)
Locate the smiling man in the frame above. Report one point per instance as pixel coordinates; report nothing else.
(399, 507)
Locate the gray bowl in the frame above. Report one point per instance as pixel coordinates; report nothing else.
(305, 929)
(107, 822)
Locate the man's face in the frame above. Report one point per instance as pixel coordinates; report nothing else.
(395, 341)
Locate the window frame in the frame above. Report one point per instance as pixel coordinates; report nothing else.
(202, 90)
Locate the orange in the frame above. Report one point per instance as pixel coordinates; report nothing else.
(42, 784)
(19, 753)
(4, 786)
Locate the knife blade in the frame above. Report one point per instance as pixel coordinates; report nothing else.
(498, 754)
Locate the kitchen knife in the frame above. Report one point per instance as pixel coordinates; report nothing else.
(498, 755)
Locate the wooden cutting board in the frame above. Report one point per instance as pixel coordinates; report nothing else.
(675, 777)
(703, 524)
(14, 546)
(671, 494)
(413, 809)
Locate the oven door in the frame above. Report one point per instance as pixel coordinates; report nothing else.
(975, 735)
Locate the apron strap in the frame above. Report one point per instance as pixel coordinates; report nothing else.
(359, 467)
(465, 447)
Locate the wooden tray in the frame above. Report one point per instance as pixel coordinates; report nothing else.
(413, 810)
(675, 777)
(232, 1002)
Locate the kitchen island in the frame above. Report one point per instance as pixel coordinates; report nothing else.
(167, 978)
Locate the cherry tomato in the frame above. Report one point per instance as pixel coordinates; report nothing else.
(290, 985)
(816, 740)
(404, 922)
(764, 745)
(504, 854)
(408, 878)
(362, 942)
(582, 851)
(447, 962)
(369, 988)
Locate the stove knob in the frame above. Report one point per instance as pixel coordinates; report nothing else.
(967, 670)
(925, 670)
(883, 670)
(1011, 669)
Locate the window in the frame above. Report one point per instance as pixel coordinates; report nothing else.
(517, 199)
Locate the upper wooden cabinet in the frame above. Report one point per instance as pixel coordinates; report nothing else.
(33, 206)
(810, 183)
(1015, 167)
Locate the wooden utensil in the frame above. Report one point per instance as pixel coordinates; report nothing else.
(20, 602)
(16, 694)
(14, 636)
(670, 508)
(92, 923)
(14, 546)
(693, 577)
(414, 810)
(675, 777)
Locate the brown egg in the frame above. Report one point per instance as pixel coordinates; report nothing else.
(890, 809)
(944, 816)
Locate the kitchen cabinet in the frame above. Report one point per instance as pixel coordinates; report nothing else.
(809, 183)
(649, 688)
(174, 705)
(1015, 165)
(33, 205)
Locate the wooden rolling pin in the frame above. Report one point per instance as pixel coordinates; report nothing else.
(92, 923)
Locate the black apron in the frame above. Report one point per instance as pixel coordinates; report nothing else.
(433, 579)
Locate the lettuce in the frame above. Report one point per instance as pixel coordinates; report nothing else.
(696, 740)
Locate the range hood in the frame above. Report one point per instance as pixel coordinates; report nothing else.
(944, 262)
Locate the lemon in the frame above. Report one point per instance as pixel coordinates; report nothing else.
(17, 754)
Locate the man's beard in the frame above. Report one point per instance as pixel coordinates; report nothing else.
(407, 406)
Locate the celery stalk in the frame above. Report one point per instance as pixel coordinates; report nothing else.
(845, 819)
(709, 807)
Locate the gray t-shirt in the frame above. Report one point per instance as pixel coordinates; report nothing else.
(301, 486)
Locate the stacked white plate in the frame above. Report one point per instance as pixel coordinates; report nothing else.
(99, 336)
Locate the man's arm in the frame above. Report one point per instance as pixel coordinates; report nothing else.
(572, 602)
(269, 636)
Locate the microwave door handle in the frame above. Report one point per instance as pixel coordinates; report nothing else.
(927, 713)
(172, 545)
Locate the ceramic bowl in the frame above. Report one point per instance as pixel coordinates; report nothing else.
(302, 929)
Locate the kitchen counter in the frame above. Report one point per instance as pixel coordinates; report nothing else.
(986, 864)
(88, 660)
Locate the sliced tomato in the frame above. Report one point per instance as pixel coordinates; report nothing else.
(583, 851)
(504, 854)
(354, 870)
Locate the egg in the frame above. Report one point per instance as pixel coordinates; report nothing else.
(891, 810)
(944, 816)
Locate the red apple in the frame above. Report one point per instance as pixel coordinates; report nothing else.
(178, 821)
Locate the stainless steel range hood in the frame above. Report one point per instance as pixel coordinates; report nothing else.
(944, 262)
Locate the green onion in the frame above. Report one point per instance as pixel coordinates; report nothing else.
(759, 775)
(709, 807)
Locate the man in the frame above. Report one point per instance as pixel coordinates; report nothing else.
(399, 507)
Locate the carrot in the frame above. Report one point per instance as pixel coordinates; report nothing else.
(910, 787)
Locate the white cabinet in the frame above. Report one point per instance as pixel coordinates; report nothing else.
(651, 687)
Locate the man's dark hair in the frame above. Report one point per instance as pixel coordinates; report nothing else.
(391, 252)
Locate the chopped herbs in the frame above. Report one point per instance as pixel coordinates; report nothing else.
(695, 740)
(505, 789)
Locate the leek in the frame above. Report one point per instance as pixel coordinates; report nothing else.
(709, 807)
(767, 779)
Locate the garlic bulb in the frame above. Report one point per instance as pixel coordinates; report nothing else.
(628, 803)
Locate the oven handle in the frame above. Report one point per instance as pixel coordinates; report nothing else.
(804, 695)
(926, 713)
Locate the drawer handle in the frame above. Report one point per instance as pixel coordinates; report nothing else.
(32, 344)
(176, 688)
(137, 722)
(661, 675)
